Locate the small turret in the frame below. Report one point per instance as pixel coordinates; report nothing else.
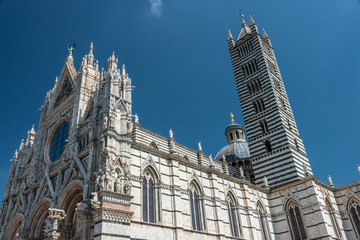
(230, 40)
(30, 136)
(112, 63)
(253, 25)
(266, 37)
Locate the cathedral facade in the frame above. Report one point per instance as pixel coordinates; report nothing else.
(91, 171)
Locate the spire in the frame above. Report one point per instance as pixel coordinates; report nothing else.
(91, 50)
(252, 22)
(91, 54)
(264, 34)
(230, 35)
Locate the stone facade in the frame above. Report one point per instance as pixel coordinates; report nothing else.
(92, 172)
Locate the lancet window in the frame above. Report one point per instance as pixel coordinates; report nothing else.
(150, 193)
(259, 105)
(254, 86)
(333, 218)
(354, 212)
(234, 218)
(196, 207)
(295, 220)
(263, 221)
(250, 68)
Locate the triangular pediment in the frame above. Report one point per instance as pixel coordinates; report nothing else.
(65, 85)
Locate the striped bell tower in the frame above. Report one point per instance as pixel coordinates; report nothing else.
(276, 148)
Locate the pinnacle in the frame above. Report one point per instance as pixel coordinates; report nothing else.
(230, 35)
(251, 20)
(91, 50)
(264, 34)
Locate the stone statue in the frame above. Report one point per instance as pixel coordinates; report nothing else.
(108, 180)
(199, 146)
(241, 170)
(99, 182)
(95, 203)
(118, 184)
(171, 134)
(136, 118)
(211, 160)
(127, 186)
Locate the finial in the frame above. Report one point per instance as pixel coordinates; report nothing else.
(171, 134)
(230, 35)
(358, 168)
(251, 20)
(231, 116)
(113, 55)
(123, 73)
(32, 129)
(264, 34)
(91, 50)
(330, 181)
(199, 146)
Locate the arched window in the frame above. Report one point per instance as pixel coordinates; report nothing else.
(295, 220)
(264, 227)
(333, 218)
(196, 207)
(150, 197)
(234, 218)
(354, 212)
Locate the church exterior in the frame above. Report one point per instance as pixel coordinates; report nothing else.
(91, 171)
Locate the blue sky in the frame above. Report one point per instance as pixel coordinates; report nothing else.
(176, 54)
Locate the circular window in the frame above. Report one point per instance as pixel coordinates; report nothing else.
(59, 141)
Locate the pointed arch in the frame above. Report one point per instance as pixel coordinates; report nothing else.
(295, 219)
(14, 226)
(332, 216)
(233, 213)
(197, 208)
(263, 221)
(353, 208)
(149, 165)
(150, 194)
(154, 145)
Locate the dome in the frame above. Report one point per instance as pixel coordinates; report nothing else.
(234, 151)
(237, 147)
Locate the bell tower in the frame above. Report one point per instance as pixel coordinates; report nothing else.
(276, 148)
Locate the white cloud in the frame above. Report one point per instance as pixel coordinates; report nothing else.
(155, 7)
